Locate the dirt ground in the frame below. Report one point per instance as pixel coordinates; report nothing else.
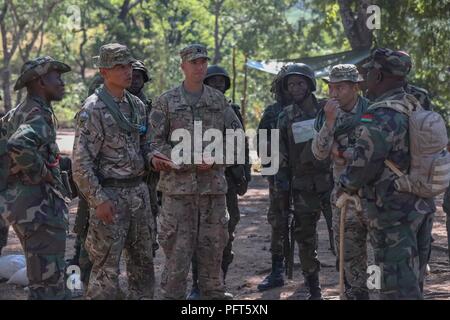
(252, 256)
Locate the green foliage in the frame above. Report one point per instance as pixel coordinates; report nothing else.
(155, 31)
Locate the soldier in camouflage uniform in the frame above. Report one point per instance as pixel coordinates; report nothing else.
(110, 154)
(81, 258)
(193, 213)
(335, 126)
(237, 177)
(33, 197)
(308, 179)
(424, 99)
(274, 215)
(398, 222)
(140, 78)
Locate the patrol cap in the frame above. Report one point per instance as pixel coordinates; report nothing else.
(397, 63)
(194, 51)
(344, 72)
(112, 54)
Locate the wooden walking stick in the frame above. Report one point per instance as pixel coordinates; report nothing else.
(342, 203)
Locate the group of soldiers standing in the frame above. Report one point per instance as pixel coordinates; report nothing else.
(125, 178)
(345, 154)
(121, 156)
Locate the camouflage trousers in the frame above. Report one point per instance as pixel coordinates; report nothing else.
(396, 238)
(193, 223)
(44, 247)
(307, 208)
(355, 244)
(130, 233)
(277, 221)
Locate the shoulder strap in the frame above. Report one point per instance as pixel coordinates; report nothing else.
(133, 101)
(409, 103)
(113, 108)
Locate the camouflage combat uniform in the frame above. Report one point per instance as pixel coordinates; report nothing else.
(308, 179)
(110, 156)
(343, 134)
(36, 209)
(193, 213)
(278, 222)
(399, 223)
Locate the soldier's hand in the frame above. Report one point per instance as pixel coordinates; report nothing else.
(161, 163)
(331, 110)
(105, 212)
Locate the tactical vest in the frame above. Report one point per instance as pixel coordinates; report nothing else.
(308, 173)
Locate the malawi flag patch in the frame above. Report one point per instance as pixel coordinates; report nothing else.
(367, 117)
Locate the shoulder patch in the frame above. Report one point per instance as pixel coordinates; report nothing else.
(83, 116)
(367, 117)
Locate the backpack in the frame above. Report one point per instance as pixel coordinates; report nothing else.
(429, 173)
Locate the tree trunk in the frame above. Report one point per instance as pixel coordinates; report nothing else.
(217, 44)
(354, 23)
(6, 79)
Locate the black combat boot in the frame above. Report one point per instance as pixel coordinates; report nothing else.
(313, 285)
(275, 278)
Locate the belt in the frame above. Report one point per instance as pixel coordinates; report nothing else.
(122, 183)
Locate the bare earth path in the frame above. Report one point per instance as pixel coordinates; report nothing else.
(252, 256)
